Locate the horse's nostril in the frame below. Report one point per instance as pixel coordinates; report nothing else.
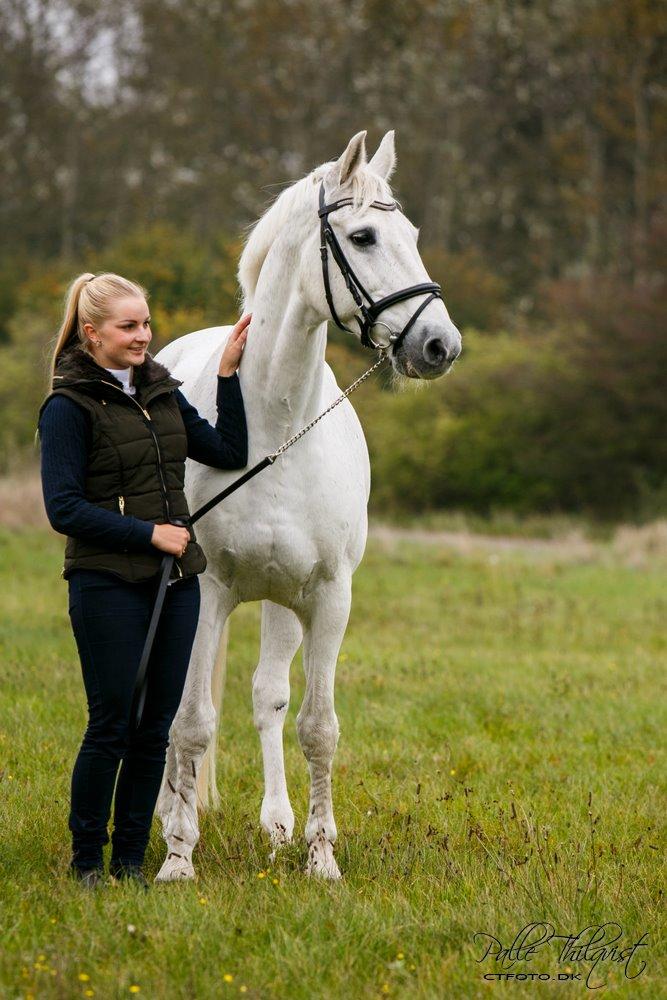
(435, 351)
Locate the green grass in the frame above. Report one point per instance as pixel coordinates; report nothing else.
(500, 763)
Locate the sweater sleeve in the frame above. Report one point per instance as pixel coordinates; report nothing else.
(224, 446)
(65, 437)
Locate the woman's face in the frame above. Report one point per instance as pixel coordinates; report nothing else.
(125, 334)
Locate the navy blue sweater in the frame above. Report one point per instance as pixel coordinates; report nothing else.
(65, 436)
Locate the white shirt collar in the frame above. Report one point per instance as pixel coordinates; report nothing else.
(124, 375)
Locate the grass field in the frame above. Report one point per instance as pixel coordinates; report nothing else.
(500, 763)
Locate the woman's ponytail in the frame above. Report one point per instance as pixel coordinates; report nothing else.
(69, 327)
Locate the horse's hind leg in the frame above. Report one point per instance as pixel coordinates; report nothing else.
(281, 637)
(189, 736)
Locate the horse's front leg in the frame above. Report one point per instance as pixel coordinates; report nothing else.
(324, 622)
(281, 637)
(190, 734)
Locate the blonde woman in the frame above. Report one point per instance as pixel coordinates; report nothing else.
(115, 431)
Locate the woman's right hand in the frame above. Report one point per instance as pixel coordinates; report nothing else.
(170, 538)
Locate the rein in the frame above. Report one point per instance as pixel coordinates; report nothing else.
(140, 684)
(270, 459)
(370, 314)
(369, 322)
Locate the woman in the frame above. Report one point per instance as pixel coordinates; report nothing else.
(115, 432)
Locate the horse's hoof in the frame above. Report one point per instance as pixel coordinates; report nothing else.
(279, 835)
(321, 861)
(176, 870)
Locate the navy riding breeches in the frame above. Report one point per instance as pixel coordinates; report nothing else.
(110, 618)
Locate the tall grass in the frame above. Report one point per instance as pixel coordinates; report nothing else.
(500, 763)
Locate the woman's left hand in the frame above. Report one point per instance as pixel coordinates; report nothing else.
(231, 356)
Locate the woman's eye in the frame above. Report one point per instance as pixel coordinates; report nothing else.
(364, 238)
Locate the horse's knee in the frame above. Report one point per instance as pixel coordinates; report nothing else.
(318, 734)
(270, 699)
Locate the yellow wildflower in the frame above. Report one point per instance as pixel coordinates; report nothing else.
(84, 977)
(228, 978)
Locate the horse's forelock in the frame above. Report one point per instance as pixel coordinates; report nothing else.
(365, 186)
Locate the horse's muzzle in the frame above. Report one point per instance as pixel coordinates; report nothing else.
(428, 352)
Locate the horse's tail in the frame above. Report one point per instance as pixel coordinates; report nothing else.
(207, 788)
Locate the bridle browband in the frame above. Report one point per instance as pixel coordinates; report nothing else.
(371, 311)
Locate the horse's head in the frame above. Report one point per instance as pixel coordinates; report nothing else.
(379, 244)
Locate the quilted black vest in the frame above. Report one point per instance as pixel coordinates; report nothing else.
(136, 463)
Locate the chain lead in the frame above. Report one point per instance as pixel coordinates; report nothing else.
(350, 388)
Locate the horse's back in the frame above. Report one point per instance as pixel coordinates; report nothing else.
(189, 355)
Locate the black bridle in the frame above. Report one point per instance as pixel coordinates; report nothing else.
(371, 311)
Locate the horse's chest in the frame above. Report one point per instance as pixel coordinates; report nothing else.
(279, 561)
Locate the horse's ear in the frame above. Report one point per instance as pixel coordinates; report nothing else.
(350, 161)
(384, 158)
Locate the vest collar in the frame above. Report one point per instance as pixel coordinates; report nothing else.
(75, 367)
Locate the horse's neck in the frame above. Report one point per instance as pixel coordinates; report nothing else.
(283, 359)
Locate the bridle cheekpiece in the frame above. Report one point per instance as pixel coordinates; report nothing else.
(370, 312)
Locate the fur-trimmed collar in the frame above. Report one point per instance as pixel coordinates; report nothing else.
(75, 364)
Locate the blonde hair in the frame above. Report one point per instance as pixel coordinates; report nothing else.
(87, 300)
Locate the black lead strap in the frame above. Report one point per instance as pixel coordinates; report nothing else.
(140, 685)
(370, 314)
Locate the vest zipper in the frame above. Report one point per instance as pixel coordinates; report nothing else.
(163, 485)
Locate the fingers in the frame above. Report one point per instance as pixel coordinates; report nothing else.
(170, 538)
(241, 326)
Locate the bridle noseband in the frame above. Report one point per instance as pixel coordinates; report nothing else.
(371, 311)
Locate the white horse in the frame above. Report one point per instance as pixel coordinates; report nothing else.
(292, 536)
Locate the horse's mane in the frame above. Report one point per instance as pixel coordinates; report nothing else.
(365, 186)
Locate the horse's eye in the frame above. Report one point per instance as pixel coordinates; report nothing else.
(364, 238)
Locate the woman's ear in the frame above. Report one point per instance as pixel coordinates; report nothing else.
(92, 336)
